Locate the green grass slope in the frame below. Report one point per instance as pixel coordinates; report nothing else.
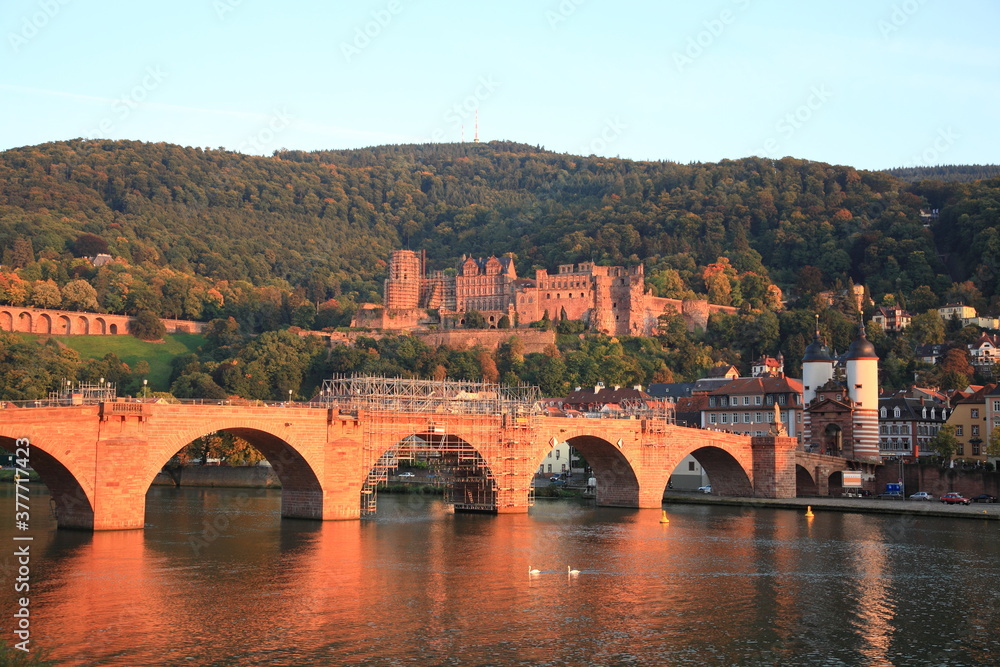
(132, 350)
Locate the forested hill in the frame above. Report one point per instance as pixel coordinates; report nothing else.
(959, 173)
(206, 233)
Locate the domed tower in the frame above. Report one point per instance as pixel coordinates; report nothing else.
(862, 388)
(817, 370)
(817, 367)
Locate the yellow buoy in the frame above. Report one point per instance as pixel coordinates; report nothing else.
(664, 519)
(809, 511)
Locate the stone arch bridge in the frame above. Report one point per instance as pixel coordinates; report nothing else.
(99, 460)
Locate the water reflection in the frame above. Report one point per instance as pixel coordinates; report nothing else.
(218, 578)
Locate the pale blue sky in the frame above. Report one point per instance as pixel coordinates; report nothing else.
(870, 83)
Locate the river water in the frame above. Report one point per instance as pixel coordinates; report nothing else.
(218, 578)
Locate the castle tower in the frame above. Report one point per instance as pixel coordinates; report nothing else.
(817, 367)
(862, 388)
(402, 287)
(817, 370)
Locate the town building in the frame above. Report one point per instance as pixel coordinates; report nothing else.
(768, 366)
(968, 416)
(958, 311)
(892, 318)
(749, 405)
(907, 424)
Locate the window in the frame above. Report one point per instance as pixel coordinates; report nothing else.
(746, 417)
(711, 418)
(756, 400)
(996, 406)
(974, 413)
(690, 466)
(769, 400)
(975, 430)
(958, 430)
(746, 400)
(883, 429)
(711, 401)
(550, 467)
(896, 413)
(562, 467)
(960, 449)
(557, 455)
(883, 413)
(905, 429)
(736, 418)
(781, 399)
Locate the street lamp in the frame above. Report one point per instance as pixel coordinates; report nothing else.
(289, 396)
(144, 392)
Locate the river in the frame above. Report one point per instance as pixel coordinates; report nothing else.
(218, 578)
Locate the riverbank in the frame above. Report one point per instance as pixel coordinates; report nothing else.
(989, 511)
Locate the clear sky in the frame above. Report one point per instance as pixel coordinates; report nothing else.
(870, 83)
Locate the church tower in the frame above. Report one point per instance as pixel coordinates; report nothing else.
(862, 388)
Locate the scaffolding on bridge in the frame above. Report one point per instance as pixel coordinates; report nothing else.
(407, 420)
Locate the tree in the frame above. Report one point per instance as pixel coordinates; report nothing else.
(474, 320)
(46, 294)
(993, 446)
(944, 443)
(146, 326)
(79, 295)
(197, 385)
(926, 328)
(89, 245)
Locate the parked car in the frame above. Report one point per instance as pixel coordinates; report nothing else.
(557, 481)
(705, 489)
(921, 495)
(983, 498)
(406, 474)
(891, 495)
(955, 498)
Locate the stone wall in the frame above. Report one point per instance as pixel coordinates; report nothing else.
(937, 481)
(75, 323)
(534, 340)
(248, 477)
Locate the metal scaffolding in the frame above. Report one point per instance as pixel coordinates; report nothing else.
(405, 420)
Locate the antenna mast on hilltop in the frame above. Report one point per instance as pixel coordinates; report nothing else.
(463, 138)
(476, 139)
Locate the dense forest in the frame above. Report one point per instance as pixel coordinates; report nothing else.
(261, 243)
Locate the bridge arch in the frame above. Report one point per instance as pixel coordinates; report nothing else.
(6, 320)
(25, 324)
(301, 491)
(100, 326)
(82, 326)
(467, 470)
(617, 483)
(805, 482)
(71, 501)
(725, 458)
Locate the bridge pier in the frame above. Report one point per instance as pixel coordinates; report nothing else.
(773, 466)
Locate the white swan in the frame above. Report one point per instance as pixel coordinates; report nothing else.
(533, 571)
(571, 571)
